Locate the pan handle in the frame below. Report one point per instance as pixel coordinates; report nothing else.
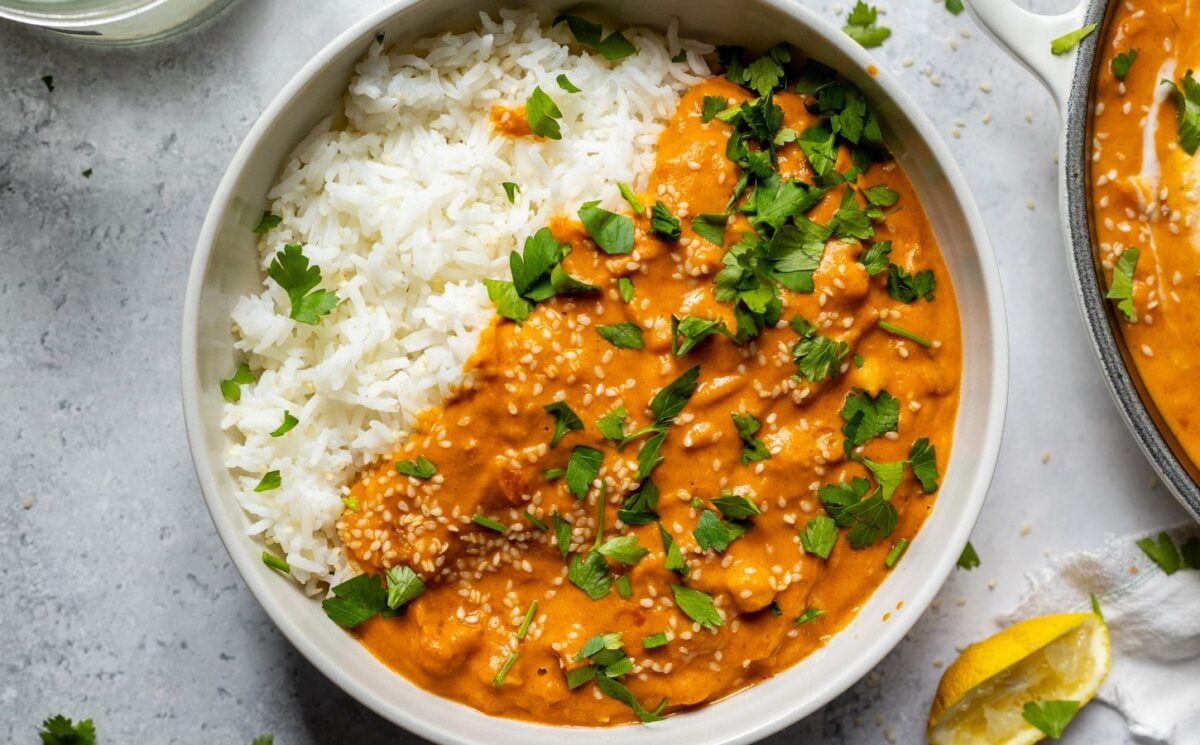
(1027, 37)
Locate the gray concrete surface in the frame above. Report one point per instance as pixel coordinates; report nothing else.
(118, 600)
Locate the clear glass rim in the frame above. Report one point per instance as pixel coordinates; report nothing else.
(99, 13)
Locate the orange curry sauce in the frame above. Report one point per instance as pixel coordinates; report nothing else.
(1146, 190)
(490, 445)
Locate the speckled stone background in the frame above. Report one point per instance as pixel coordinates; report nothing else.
(119, 602)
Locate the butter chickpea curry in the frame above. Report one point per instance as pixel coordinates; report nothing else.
(1146, 186)
(698, 434)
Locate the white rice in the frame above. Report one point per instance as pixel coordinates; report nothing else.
(403, 210)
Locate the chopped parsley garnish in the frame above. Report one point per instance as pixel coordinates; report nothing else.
(714, 534)
(663, 223)
(627, 194)
(897, 551)
(612, 424)
(350, 503)
(231, 387)
(565, 83)
(1122, 62)
(421, 468)
(543, 114)
(537, 275)
(868, 519)
(753, 449)
(624, 586)
(809, 614)
(969, 559)
(624, 335)
(266, 222)
(510, 190)
(819, 535)
(86, 173)
(356, 600)
(868, 416)
(275, 562)
(697, 606)
(502, 673)
(672, 556)
(48, 81)
(881, 196)
(648, 457)
(912, 336)
(816, 357)
(625, 289)
(861, 26)
(820, 147)
(1190, 553)
(486, 522)
(607, 661)
(875, 257)
(654, 641)
(613, 233)
(562, 532)
(523, 629)
(403, 585)
(852, 221)
(58, 730)
(689, 331)
(908, 288)
(713, 105)
(289, 422)
(1051, 717)
(533, 519)
(711, 227)
(888, 475)
(954, 6)
(668, 403)
(640, 507)
(582, 468)
(1163, 552)
(590, 575)
(612, 47)
(565, 420)
(271, 480)
(923, 459)
(735, 506)
(1069, 41)
(623, 548)
(1122, 283)
(291, 271)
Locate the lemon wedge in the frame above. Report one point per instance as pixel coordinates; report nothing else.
(981, 696)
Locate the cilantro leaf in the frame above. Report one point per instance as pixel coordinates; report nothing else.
(1069, 41)
(753, 449)
(819, 535)
(271, 480)
(613, 233)
(565, 83)
(288, 423)
(713, 105)
(58, 730)
(356, 600)
(714, 534)
(1162, 552)
(710, 227)
(969, 559)
(290, 269)
(590, 575)
(612, 424)
(565, 420)
(923, 459)
(623, 548)
(582, 468)
(231, 387)
(861, 26)
(663, 223)
(697, 606)
(868, 416)
(624, 335)
(736, 507)
(510, 190)
(689, 331)
(1122, 283)
(641, 506)
(403, 585)
(562, 531)
(421, 468)
(266, 222)
(543, 114)
(1121, 64)
(1051, 717)
(908, 288)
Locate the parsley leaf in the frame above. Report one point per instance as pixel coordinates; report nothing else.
(403, 585)
(663, 223)
(923, 459)
(537, 275)
(851, 221)
(565, 420)
(624, 335)
(266, 222)
(613, 689)
(613, 233)
(291, 271)
(356, 600)
(820, 147)
(654, 641)
(735, 507)
(565, 83)
(766, 73)
(881, 196)
(816, 357)
(590, 575)
(612, 424)
(543, 114)
(1162, 552)
(868, 416)
(582, 468)
(697, 606)
(625, 288)
(615, 46)
(711, 227)
(1051, 717)
(887, 475)
(58, 730)
(288, 423)
(837, 497)
(672, 556)
(753, 449)
(954, 6)
(689, 331)
(1069, 41)
(508, 302)
(1122, 283)
(510, 190)
(641, 506)
(623, 548)
(271, 480)
(713, 105)
(421, 468)
(819, 535)
(870, 520)
(908, 288)
(969, 559)
(648, 456)
(713, 533)
(1121, 64)
(671, 398)
(562, 531)
(584, 31)
(231, 387)
(860, 26)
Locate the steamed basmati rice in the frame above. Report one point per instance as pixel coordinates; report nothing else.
(403, 210)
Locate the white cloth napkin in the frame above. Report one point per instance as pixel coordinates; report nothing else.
(1154, 621)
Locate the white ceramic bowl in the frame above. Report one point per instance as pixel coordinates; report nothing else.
(226, 265)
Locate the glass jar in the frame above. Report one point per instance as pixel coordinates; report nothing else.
(111, 21)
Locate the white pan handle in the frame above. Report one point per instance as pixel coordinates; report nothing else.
(1027, 37)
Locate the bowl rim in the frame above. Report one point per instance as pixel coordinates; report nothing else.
(917, 599)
